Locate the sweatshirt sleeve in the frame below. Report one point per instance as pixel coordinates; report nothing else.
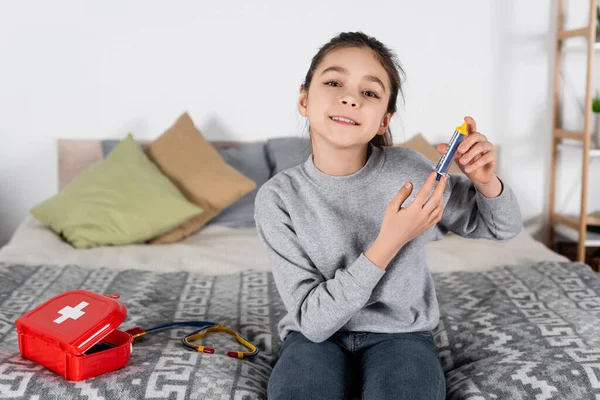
(319, 306)
(470, 214)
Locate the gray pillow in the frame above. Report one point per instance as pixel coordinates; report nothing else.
(250, 160)
(110, 144)
(287, 152)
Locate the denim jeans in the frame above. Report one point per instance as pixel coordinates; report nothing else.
(356, 364)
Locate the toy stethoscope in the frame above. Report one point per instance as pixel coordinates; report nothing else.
(206, 327)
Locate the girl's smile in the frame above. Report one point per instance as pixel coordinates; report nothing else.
(343, 120)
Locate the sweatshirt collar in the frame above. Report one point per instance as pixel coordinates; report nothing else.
(346, 182)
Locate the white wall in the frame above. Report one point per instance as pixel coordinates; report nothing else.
(77, 69)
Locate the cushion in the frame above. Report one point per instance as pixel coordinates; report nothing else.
(108, 145)
(287, 152)
(121, 200)
(198, 170)
(251, 160)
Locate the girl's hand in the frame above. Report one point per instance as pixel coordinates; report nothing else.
(477, 158)
(402, 224)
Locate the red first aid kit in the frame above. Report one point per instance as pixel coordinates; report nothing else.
(75, 335)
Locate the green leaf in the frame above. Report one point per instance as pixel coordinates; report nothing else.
(596, 104)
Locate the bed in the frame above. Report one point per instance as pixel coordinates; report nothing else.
(518, 321)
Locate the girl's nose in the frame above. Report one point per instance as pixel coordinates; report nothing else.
(349, 99)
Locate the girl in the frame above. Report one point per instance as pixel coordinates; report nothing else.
(347, 247)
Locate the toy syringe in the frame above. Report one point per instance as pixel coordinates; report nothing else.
(444, 163)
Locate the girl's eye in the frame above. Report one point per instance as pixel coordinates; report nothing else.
(369, 93)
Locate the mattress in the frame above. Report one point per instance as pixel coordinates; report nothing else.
(220, 250)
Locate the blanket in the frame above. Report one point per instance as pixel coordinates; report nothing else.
(513, 332)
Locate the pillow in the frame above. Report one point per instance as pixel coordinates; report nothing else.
(287, 152)
(251, 160)
(121, 200)
(109, 145)
(420, 144)
(198, 170)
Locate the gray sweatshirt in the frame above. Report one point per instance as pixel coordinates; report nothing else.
(316, 228)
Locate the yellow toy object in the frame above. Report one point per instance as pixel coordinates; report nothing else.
(187, 341)
(207, 327)
(459, 134)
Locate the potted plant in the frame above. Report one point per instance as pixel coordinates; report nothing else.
(598, 24)
(596, 122)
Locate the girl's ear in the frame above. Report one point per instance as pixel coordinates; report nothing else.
(303, 102)
(385, 123)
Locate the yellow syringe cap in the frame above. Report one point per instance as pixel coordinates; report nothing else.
(462, 129)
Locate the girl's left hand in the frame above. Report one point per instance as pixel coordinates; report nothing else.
(475, 156)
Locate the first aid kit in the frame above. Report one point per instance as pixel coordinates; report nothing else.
(75, 334)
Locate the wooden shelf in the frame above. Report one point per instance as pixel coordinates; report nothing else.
(580, 46)
(571, 33)
(578, 146)
(567, 227)
(566, 134)
(592, 239)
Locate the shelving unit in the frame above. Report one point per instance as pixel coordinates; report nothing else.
(578, 47)
(594, 153)
(573, 227)
(592, 239)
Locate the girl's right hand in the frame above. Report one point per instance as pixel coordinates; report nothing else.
(402, 224)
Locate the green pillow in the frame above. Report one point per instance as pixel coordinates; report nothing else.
(121, 200)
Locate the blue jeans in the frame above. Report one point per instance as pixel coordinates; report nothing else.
(367, 365)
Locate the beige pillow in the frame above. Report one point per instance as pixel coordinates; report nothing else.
(421, 145)
(199, 172)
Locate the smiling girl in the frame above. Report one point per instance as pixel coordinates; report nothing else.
(346, 235)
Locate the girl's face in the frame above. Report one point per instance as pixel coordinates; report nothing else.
(348, 84)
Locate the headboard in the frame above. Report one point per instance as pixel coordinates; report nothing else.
(75, 155)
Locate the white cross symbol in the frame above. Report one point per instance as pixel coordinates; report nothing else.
(70, 312)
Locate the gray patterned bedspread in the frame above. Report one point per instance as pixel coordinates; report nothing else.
(515, 332)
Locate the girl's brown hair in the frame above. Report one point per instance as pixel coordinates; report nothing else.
(386, 57)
